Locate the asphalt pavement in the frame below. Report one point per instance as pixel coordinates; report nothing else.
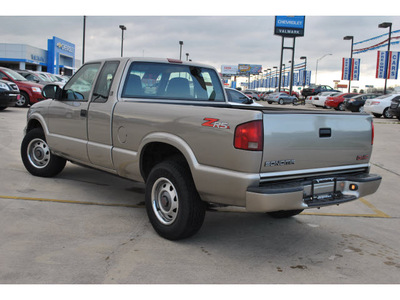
(89, 227)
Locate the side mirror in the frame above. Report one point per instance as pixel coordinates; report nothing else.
(51, 91)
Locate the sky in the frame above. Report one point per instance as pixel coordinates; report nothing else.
(213, 32)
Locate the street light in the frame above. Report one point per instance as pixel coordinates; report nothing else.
(316, 68)
(348, 38)
(386, 25)
(187, 56)
(305, 69)
(180, 51)
(122, 39)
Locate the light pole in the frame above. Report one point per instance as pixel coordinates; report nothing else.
(187, 56)
(123, 28)
(305, 70)
(83, 44)
(347, 38)
(387, 25)
(316, 68)
(180, 49)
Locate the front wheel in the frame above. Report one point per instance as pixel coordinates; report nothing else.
(284, 213)
(37, 157)
(280, 101)
(23, 100)
(341, 107)
(173, 204)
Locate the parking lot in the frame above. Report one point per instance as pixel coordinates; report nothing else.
(85, 226)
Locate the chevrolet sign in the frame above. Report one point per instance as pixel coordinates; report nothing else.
(289, 26)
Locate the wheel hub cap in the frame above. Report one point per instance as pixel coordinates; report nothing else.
(165, 201)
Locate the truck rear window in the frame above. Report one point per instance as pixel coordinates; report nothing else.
(172, 81)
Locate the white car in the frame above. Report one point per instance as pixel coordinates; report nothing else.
(380, 105)
(319, 100)
(238, 98)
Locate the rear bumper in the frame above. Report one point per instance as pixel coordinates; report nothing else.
(310, 193)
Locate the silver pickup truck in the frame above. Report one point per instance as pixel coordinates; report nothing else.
(169, 124)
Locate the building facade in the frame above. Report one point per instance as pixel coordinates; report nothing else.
(59, 58)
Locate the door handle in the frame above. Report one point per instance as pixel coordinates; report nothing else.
(83, 113)
(325, 132)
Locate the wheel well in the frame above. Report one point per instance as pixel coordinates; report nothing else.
(155, 153)
(33, 124)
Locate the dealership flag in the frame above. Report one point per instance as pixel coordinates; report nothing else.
(381, 67)
(393, 64)
(351, 69)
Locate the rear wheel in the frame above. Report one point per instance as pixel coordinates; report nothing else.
(37, 157)
(280, 101)
(284, 213)
(173, 204)
(387, 114)
(341, 107)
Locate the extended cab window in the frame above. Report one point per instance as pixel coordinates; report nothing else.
(172, 81)
(80, 85)
(103, 85)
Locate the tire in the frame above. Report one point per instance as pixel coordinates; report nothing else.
(37, 157)
(377, 115)
(23, 100)
(284, 213)
(341, 107)
(361, 109)
(387, 114)
(269, 102)
(3, 108)
(280, 101)
(173, 204)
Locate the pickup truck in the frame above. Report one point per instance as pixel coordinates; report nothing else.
(168, 123)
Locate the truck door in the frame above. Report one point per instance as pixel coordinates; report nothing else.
(67, 117)
(100, 116)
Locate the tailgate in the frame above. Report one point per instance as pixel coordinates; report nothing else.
(309, 142)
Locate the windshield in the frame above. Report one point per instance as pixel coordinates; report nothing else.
(14, 75)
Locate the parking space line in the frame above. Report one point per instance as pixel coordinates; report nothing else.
(71, 201)
(378, 213)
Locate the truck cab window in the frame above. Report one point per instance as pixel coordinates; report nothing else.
(103, 85)
(80, 85)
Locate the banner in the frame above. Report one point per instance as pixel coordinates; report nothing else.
(393, 64)
(381, 67)
(351, 69)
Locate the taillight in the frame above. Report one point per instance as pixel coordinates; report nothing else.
(372, 132)
(249, 136)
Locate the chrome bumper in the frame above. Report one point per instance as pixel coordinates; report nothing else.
(310, 193)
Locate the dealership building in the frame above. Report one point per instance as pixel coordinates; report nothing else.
(58, 58)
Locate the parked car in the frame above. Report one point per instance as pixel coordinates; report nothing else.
(237, 97)
(294, 93)
(50, 77)
(9, 94)
(316, 89)
(395, 107)
(281, 98)
(252, 94)
(380, 105)
(319, 100)
(336, 102)
(34, 77)
(356, 103)
(30, 92)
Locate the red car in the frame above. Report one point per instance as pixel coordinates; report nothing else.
(336, 102)
(31, 92)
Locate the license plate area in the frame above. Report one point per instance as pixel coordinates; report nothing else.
(323, 191)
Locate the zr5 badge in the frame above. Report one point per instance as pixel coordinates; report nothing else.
(215, 123)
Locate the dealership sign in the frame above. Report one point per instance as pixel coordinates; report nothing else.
(351, 69)
(289, 26)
